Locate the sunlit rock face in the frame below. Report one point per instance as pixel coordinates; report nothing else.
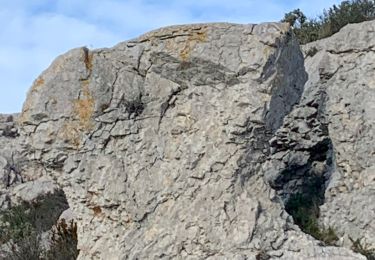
(342, 69)
(189, 141)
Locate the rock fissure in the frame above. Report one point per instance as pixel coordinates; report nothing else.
(204, 142)
(302, 151)
(369, 49)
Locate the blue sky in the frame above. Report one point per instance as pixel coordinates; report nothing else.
(34, 32)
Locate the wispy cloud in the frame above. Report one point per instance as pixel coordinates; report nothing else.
(34, 32)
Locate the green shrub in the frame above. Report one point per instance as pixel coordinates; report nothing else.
(39, 215)
(15, 224)
(305, 212)
(22, 226)
(64, 242)
(331, 21)
(28, 248)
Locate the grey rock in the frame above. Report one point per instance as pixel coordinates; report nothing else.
(344, 66)
(4, 201)
(183, 143)
(8, 127)
(67, 216)
(32, 190)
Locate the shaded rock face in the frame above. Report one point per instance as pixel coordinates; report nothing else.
(188, 142)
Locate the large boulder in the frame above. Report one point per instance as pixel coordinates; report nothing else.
(171, 145)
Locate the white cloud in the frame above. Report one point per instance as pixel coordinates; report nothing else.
(34, 32)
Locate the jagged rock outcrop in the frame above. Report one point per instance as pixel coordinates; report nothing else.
(10, 166)
(22, 178)
(189, 141)
(343, 66)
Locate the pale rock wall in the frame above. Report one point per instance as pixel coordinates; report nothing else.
(165, 144)
(343, 67)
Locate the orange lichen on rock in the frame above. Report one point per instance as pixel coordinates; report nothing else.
(84, 107)
(37, 83)
(97, 210)
(191, 42)
(71, 134)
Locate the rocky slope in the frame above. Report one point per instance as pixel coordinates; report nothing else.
(190, 142)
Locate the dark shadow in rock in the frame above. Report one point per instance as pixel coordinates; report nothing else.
(41, 214)
(288, 85)
(193, 71)
(303, 162)
(23, 227)
(287, 64)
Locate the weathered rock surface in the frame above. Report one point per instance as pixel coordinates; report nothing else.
(9, 163)
(186, 143)
(343, 69)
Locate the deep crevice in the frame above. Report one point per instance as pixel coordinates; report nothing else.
(304, 190)
(302, 157)
(286, 91)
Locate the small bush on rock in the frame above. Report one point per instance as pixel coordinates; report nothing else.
(23, 226)
(305, 213)
(15, 224)
(64, 242)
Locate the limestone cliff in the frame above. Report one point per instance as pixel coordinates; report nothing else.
(343, 71)
(190, 142)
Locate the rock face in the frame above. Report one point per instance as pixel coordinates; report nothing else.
(189, 141)
(343, 69)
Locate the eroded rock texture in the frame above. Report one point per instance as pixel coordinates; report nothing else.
(187, 142)
(343, 67)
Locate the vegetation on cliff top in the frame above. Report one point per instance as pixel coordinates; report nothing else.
(331, 21)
